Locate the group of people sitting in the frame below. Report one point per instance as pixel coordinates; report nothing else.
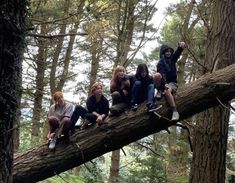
(127, 92)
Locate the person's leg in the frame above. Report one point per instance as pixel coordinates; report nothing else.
(64, 127)
(78, 112)
(136, 93)
(158, 84)
(150, 94)
(116, 98)
(157, 79)
(171, 101)
(53, 124)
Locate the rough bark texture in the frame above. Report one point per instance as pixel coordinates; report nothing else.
(40, 84)
(12, 29)
(114, 168)
(210, 142)
(39, 163)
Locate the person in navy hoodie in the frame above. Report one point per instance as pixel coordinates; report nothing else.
(143, 89)
(166, 77)
(97, 108)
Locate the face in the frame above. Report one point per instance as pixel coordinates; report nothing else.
(98, 91)
(167, 54)
(120, 74)
(143, 73)
(59, 101)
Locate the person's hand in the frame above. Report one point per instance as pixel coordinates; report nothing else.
(125, 92)
(50, 135)
(99, 119)
(167, 86)
(182, 44)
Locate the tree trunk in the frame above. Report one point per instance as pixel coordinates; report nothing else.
(12, 29)
(114, 168)
(210, 141)
(40, 163)
(40, 74)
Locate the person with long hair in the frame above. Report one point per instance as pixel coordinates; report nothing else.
(143, 89)
(120, 89)
(97, 108)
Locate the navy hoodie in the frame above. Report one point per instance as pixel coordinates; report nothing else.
(167, 66)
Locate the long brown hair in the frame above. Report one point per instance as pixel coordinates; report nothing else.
(115, 82)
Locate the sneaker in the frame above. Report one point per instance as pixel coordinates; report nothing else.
(134, 107)
(175, 116)
(52, 143)
(153, 107)
(84, 124)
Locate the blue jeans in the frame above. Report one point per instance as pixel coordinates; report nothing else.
(140, 94)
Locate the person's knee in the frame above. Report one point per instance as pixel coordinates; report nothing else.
(78, 108)
(157, 78)
(115, 95)
(138, 83)
(52, 120)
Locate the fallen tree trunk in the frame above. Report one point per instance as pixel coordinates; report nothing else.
(39, 163)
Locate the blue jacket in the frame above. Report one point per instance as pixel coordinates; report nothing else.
(167, 66)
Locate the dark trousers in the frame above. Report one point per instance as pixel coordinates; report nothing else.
(84, 114)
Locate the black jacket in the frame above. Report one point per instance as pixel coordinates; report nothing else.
(167, 66)
(101, 107)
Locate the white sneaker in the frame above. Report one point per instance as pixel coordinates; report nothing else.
(52, 143)
(175, 116)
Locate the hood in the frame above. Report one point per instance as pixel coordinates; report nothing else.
(164, 48)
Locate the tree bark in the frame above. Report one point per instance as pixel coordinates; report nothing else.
(12, 29)
(40, 163)
(40, 84)
(114, 168)
(210, 141)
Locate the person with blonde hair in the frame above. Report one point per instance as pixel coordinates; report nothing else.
(97, 108)
(59, 118)
(120, 89)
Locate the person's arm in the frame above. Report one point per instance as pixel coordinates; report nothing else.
(90, 104)
(179, 50)
(68, 110)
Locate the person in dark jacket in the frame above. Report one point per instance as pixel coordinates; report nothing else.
(120, 89)
(143, 89)
(166, 77)
(97, 108)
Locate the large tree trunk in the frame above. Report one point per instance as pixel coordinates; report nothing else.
(114, 168)
(210, 141)
(40, 163)
(12, 29)
(40, 84)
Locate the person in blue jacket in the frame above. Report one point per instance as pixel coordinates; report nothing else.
(143, 89)
(166, 77)
(97, 108)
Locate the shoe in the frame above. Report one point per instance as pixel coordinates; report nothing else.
(134, 107)
(175, 116)
(153, 107)
(52, 143)
(84, 124)
(159, 95)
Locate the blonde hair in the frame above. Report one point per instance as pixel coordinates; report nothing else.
(116, 71)
(95, 86)
(57, 95)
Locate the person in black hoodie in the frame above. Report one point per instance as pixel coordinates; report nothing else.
(166, 77)
(143, 89)
(97, 108)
